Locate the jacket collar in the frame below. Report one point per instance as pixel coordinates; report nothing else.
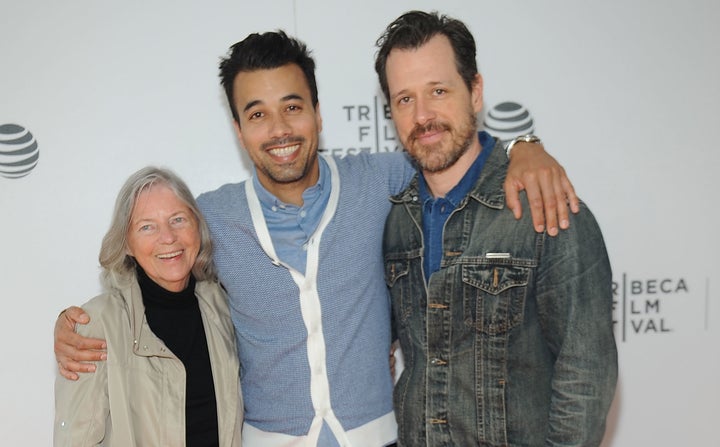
(145, 343)
(488, 188)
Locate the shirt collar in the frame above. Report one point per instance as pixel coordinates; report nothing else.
(310, 195)
(463, 187)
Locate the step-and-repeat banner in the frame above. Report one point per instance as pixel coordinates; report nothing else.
(624, 93)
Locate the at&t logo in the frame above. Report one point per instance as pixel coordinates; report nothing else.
(19, 151)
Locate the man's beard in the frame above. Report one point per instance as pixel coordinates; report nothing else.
(433, 158)
(289, 172)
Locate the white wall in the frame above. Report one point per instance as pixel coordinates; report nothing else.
(624, 93)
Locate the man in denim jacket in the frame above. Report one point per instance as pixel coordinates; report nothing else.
(506, 333)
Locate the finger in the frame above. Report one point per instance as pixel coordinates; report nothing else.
(562, 214)
(95, 344)
(78, 362)
(549, 200)
(512, 197)
(72, 367)
(556, 206)
(67, 341)
(89, 355)
(65, 328)
(67, 374)
(551, 209)
(73, 346)
(76, 314)
(561, 202)
(570, 195)
(535, 201)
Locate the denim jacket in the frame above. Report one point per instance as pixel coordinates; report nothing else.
(510, 343)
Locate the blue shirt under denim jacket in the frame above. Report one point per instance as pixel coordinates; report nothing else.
(511, 341)
(437, 210)
(313, 344)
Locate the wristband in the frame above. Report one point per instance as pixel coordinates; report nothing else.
(529, 138)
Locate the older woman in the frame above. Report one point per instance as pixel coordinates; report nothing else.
(171, 376)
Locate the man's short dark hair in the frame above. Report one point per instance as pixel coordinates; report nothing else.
(414, 29)
(266, 51)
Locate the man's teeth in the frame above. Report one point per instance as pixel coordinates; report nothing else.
(170, 255)
(284, 151)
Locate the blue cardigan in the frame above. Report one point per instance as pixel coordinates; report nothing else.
(313, 348)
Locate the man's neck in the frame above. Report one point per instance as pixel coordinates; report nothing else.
(292, 192)
(442, 182)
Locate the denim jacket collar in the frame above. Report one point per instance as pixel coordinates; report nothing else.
(488, 188)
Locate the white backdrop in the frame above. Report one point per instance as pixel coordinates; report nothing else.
(624, 92)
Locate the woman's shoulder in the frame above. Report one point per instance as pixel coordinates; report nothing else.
(105, 311)
(105, 301)
(212, 292)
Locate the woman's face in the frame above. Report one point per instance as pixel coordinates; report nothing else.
(164, 237)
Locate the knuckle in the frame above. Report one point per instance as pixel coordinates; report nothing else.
(551, 205)
(531, 176)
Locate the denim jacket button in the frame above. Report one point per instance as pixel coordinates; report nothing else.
(438, 362)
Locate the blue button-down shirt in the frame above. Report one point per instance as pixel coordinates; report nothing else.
(437, 210)
(291, 226)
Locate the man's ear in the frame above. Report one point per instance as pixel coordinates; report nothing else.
(238, 132)
(477, 93)
(318, 117)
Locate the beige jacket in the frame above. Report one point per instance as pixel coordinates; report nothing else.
(137, 397)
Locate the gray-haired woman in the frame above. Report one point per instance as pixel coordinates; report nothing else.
(171, 376)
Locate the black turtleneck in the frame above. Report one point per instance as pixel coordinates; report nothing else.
(175, 318)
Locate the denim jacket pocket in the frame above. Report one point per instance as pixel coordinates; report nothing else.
(395, 269)
(494, 296)
(402, 283)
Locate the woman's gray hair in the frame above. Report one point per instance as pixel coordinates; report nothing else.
(117, 264)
